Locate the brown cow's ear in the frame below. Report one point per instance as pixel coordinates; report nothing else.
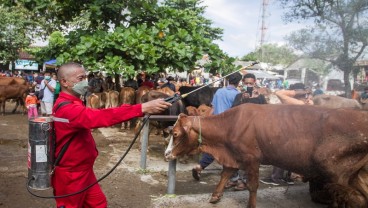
(182, 115)
(186, 128)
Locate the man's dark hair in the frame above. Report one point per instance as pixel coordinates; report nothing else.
(249, 75)
(297, 86)
(235, 78)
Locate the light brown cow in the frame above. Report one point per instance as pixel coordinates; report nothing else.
(328, 146)
(192, 111)
(127, 96)
(205, 110)
(166, 90)
(13, 91)
(112, 99)
(12, 81)
(140, 92)
(96, 100)
(332, 101)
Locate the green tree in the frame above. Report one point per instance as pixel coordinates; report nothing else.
(273, 54)
(16, 32)
(340, 35)
(124, 37)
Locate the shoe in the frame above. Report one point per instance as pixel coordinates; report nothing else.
(241, 186)
(288, 181)
(196, 173)
(230, 184)
(269, 181)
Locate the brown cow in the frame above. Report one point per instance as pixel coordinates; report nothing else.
(204, 110)
(328, 146)
(96, 100)
(112, 99)
(166, 90)
(332, 101)
(127, 96)
(140, 92)
(13, 91)
(192, 111)
(12, 81)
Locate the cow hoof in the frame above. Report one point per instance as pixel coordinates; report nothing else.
(215, 199)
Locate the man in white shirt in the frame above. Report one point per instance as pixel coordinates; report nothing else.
(47, 102)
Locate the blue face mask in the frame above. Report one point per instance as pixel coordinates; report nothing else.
(81, 87)
(48, 78)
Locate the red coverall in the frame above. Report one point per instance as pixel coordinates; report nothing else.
(75, 170)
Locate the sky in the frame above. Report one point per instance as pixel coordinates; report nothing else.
(242, 21)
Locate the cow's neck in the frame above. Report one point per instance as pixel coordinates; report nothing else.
(210, 131)
(214, 132)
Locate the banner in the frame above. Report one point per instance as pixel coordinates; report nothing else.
(21, 64)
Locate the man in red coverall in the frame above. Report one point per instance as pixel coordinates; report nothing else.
(75, 169)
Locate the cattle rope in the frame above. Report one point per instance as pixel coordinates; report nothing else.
(200, 131)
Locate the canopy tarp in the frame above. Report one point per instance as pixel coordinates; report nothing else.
(262, 74)
(51, 62)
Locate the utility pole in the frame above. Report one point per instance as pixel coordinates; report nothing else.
(263, 27)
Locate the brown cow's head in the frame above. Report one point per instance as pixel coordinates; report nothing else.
(184, 140)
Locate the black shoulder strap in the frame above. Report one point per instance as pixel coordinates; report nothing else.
(66, 145)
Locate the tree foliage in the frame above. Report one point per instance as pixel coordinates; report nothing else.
(273, 54)
(122, 37)
(16, 31)
(340, 35)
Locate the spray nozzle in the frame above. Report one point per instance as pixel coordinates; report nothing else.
(173, 99)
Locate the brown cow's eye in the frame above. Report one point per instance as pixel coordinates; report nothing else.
(175, 134)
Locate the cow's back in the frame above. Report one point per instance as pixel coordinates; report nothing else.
(332, 101)
(309, 134)
(13, 91)
(140, 92)
(12, 81)
(127, 95)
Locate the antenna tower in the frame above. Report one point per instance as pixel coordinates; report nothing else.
(263, 27)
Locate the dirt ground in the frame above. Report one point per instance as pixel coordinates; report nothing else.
(128, 185)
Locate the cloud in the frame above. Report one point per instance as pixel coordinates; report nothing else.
(241, 21)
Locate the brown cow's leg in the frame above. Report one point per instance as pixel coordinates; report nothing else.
(252, 182)
(225, 176)
(317, 191)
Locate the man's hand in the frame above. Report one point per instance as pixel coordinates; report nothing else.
(155, 106)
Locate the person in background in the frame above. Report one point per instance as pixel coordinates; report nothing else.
(318, 91)
(249, 95)
(169, 84)
(216, 82)
(222, 101)
(31, 104)
(47, 101)
(75, 170)
(285, 84)
(57, 87)
(364, 95)
(147, 82)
